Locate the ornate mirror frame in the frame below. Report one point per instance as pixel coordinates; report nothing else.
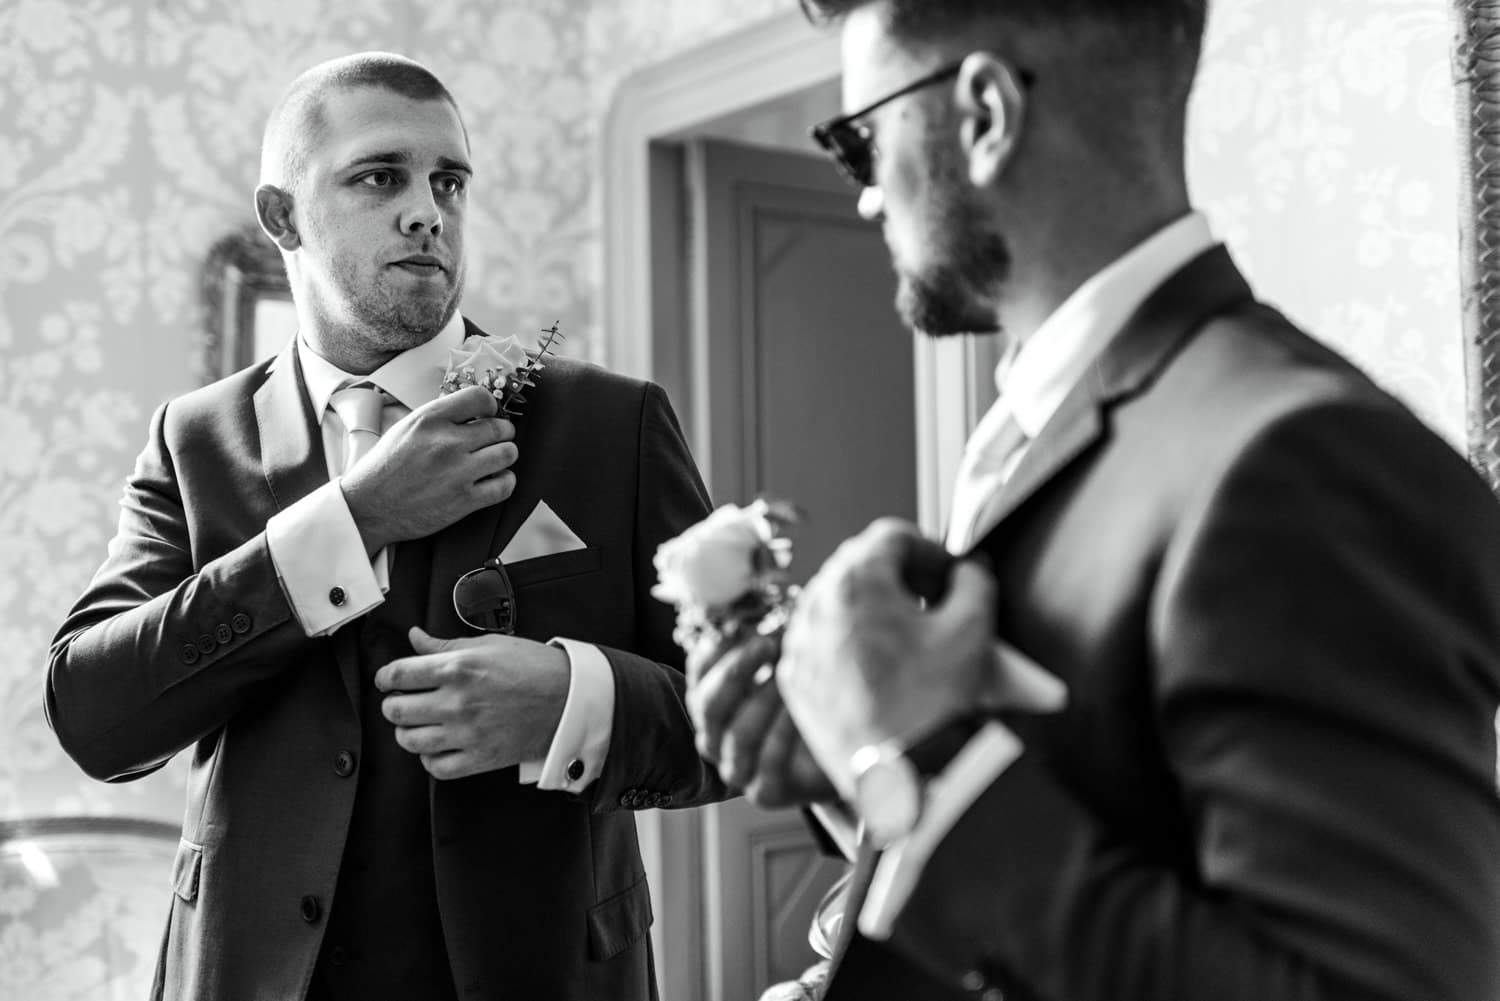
(243, 270)
(1476, 85)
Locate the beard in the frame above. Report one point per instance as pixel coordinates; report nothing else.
(386, 318)
(953, 290)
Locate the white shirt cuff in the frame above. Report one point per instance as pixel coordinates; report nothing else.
(321, 561)
(949, 794)
(576, 756)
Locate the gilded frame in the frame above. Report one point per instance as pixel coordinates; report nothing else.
(242, 270)
(1476, 79)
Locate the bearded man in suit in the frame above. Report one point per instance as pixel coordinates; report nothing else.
(384, 803)
(1270, 595)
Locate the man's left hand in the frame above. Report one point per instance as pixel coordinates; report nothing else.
(864, 661)
(475, 704)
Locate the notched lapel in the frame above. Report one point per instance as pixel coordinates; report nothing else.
(1205, 286)
(291, 448)
(291, 444)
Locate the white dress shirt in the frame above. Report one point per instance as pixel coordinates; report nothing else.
(1032, 384)
(315, 545)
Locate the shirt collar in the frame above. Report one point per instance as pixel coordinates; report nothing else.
(1041, 373)
(412, 377)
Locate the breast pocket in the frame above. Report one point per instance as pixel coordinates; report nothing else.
(555, 566)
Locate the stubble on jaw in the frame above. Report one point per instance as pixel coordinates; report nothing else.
(965, 260)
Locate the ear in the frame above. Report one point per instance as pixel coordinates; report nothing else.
(273, 209)
(993, 102)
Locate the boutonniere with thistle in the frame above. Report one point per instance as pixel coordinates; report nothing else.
(728, 573)
(500, 365)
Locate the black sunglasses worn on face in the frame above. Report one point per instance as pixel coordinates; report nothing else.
(485, 600)
(852, 144)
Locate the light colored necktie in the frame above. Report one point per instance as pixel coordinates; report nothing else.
(981, 479)
(360, 407)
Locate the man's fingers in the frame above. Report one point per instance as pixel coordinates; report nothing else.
(411, 674)
(740, 749)
(424, 642)
(415, 709)
(722, 686)
(461, 406)
(426, 740)
(450, 765)
(768, 787)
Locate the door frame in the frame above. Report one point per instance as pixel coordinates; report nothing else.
(647, 332)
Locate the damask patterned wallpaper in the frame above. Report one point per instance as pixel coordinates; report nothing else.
(1322, 148)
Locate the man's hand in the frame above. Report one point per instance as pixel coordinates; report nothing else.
(437, 464)
(863, 661)
(475, 704)
(744, 728)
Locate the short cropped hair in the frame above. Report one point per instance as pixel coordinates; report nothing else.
(1140, 55)
(296, 124)
(925, 20)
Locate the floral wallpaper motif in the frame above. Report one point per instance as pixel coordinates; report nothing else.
(1322, 148)
(129, 138)
(1322, 145)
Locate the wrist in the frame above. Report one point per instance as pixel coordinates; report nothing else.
(372, 530)
(890, 776)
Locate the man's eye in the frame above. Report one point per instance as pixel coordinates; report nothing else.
(450, 184)
(378, 179)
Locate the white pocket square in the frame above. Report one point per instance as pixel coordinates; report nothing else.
(543, 533)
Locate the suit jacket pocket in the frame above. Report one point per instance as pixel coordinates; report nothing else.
(619, 922)
(185, 869)
(553, 566)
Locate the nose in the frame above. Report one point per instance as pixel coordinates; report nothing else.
(420, 213)
(872, 203)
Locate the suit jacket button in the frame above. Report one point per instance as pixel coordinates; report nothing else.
(223, 633)
(207, 644)
(336, 596)
(343, 763)
(338, 956)
(312, 909)
(240, 623)
(189, 654)
(575, 770)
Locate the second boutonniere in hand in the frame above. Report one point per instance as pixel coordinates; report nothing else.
(500, 365)
(729, 572)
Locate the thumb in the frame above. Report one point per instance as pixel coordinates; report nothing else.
(463, 404)
(423, 642)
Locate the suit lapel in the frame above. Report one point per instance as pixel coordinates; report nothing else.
(1207, 285)
(291, 448)
(481, 535)
(291, 444)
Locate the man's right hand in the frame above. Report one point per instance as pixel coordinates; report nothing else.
(437, 464)
(743, 726)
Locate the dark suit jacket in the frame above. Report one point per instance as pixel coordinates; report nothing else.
(184, 639)
(1275, 598)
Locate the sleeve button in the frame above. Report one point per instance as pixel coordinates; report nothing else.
(189, 654)
(312, 909)
(575, 770)
(206, 644)
(993, 994)
(973, 981)
(223, 633)
(240, 623)
(337, 597)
